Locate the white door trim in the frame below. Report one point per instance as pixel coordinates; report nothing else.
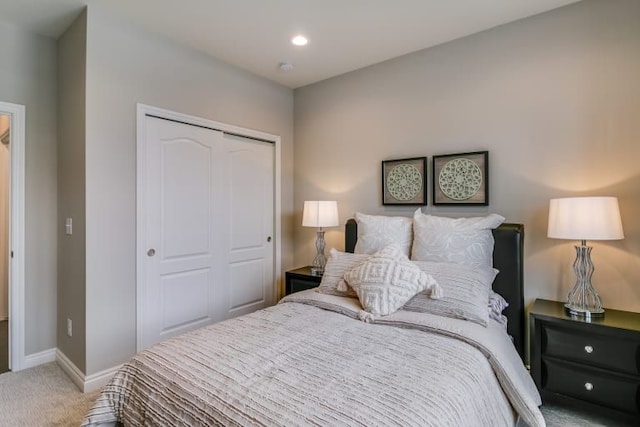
(16, 240)
(144, 110)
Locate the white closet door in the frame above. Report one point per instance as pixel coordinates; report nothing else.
(250, 200)
(205, 259)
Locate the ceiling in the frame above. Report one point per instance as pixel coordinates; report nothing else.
(344, 35)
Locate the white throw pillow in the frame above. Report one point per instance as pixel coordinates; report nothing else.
(338, 264)
(375, 232)
(387, 280)
(462, 241)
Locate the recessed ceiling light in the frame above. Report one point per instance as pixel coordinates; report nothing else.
(299, 40)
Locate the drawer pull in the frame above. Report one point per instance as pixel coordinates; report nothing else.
(588, 386)
(588, 349)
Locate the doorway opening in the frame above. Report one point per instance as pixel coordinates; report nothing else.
(13, 234)
(5, 165)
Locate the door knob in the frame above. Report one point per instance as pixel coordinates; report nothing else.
(269, 239)
(151, 252)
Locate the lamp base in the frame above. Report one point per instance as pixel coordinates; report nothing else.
(317, 271)
(573, 310)
(317, 266)
(583, 300)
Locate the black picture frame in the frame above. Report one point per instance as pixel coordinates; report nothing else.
(460, 179)
(404, 182)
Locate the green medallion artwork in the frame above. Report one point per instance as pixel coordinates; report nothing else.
(404, 181)
(460, 179)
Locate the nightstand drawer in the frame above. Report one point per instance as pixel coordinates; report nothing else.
(592, 385)
(594, 363)
(300, 279)
(592, 349)
(297, 285)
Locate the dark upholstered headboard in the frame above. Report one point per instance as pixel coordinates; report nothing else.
(508, 258)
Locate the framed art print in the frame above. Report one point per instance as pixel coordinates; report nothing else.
(404, 181)
(461, 179)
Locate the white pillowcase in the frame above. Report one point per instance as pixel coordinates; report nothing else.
(466, 241)
(338, 264)
(387, 280)
(376, 232)
(497, 304)
(465, 291)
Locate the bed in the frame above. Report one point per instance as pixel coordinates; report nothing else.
(508, 255)
(319, 359)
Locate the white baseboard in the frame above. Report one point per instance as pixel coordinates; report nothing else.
(70, 369)
(35, 359)
(98, 380)
(88, 383)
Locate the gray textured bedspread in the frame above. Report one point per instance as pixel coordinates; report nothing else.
(297, 364)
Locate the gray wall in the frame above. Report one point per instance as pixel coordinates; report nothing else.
(28, 77)
(71, 189)
(554, 98)
(126, 65)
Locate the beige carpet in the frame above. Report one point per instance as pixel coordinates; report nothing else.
(45, 396)
(41, 396)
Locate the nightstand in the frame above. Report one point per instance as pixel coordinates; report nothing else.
(593, 364)
(300, 279)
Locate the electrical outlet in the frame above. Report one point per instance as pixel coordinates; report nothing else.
(69, 327)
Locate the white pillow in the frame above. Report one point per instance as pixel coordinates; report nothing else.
(376, 232)
(462, 241)
(387, 280)
(465, 291)
(497, 304)
(332, 282)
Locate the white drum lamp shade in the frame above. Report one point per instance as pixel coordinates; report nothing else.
(585, 218)
(320, 214)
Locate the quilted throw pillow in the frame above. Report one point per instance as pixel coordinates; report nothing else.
(462, 241)
(387, 280)
(376, 232)
(338, 264)
(465, 291)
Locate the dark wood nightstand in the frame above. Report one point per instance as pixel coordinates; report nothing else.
(300, 279)
(594, 365)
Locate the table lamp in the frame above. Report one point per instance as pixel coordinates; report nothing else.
(320, 214)
(584, 218)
